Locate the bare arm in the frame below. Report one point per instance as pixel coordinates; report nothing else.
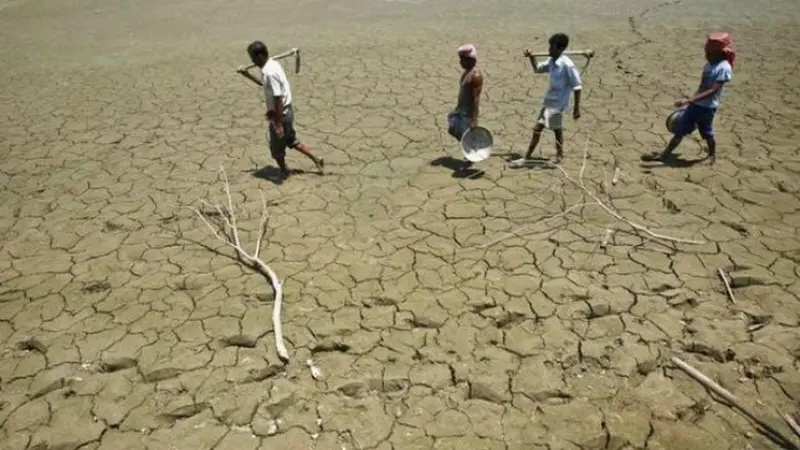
(576, 84)
(536, 65)
(477, 88)
(700, 95)
(721, 76)
(246, 73)
(707, 93)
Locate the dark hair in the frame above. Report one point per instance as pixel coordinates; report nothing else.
(257, 48)
(560, 40)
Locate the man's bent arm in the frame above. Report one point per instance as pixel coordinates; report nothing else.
(477, 87)
(539, 67)
(722, 77)
(250, 77)
(707, 93)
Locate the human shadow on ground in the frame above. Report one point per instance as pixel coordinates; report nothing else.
(767, 430)
(273, 174)
(654, 160)
(456, 165)
(510, 156)
(535, 162)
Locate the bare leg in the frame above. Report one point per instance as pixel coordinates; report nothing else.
(278, 153)
(537, 134)
(319, 162)
(281, 160)
(559, 144)
(712, 149)
(673, 144)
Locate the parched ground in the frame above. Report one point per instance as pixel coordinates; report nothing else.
(443, 312)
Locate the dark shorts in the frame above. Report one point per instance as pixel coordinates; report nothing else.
(457, 124)
(697, 117)
(278, 145)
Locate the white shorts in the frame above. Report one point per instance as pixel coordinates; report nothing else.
(552, 119)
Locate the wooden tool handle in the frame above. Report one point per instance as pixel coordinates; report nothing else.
(586, 53)
(286, 54)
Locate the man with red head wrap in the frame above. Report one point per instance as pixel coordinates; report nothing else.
(470, 85)
(721, 42)
(700, 110)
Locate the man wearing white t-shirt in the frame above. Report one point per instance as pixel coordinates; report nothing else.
(565, 80)
(280, 114)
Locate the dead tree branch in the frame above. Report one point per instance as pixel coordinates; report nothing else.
(228, 233)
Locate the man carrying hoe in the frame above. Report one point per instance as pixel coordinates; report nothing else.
(565, 81)
(280, 114)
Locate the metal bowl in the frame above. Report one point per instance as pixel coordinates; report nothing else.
(476, 144)
(674, 120)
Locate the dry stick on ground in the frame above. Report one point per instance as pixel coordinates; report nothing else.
(229, 218)
(727, 285)
(792, 423)
(727, 396)
(641, 228)
(595, 202)
(543, 220)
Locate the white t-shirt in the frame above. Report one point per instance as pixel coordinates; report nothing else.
(564, 79)
(275, 84)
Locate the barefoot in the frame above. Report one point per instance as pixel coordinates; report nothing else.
(522, 162)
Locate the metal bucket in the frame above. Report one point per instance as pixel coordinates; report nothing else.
(674, 120)
(476, 144)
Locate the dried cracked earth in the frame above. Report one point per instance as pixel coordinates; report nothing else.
(488, 312)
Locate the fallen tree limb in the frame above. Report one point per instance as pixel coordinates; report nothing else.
(228, 217)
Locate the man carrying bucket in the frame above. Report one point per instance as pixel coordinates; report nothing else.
(470, 85)
(700, 110)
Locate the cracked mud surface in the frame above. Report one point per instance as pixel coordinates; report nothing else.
(119, 330)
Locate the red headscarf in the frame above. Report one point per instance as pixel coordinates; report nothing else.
(721, 41)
